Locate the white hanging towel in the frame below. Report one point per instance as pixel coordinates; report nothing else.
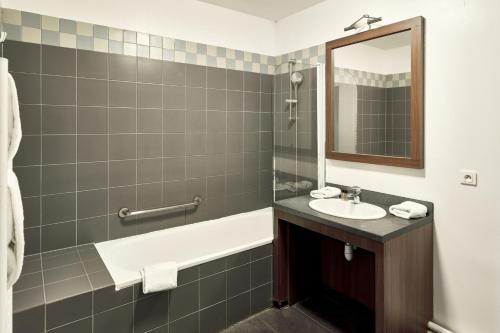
(15, 214)
(408, 210)
(159, 277)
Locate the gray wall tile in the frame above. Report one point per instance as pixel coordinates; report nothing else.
(58, 61)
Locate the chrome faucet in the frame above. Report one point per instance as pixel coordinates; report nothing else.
(353, 192)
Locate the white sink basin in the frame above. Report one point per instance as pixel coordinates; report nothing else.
(347, 209)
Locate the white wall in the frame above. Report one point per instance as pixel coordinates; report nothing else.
(462, 130)
(183, 19)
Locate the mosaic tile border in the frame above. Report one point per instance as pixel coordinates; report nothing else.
(48, 30)
(350, 76)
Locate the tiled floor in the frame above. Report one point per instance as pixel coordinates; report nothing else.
(323, 314)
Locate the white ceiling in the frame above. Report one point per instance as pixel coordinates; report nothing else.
(273, 10)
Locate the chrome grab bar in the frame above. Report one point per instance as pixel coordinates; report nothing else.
(125, 212)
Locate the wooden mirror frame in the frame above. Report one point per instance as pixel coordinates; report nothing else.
(416, 160)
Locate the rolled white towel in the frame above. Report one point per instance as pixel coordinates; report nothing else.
(408, 210)
(325, 192)
(159, 277)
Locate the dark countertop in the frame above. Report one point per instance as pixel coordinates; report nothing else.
(380, 230)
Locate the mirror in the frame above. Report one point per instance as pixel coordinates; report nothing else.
(374, 96)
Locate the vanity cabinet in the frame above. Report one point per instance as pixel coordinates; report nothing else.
(390, 273)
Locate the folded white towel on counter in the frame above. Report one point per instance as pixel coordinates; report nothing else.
(325, 192)
(408, 210)
(159, 277)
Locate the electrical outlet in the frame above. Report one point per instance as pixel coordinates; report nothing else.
(468, 177)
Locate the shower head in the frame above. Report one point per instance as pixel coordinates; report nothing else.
(297, 78)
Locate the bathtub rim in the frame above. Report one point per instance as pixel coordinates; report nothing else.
(135, 278)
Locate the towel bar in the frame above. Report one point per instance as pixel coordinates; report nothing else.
(125, 212)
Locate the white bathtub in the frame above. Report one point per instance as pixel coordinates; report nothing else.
(188, 245)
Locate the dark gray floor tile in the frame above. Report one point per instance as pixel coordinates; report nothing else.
(117, 320)
(261, 298)
(174, 73)
(66, 289)
(238, 308)
(58, 149)
(212, 289)
(123, 68)
(58, 60)
(184, 300)
(151, 312)
(189, 324)
(63, 273)
(213, 319)
(23, 57)
(238, 280)
(291, 320)
(58, 119)
(58, 90)
(92, 64)
(253, 325)
(81, 326)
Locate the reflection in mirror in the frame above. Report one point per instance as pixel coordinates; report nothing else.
(371, 96)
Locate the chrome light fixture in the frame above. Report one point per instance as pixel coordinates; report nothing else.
(365, 20)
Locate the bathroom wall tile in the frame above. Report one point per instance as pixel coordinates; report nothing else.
(92, 64)
(195, 166)
(174, 121)
(30, 119)
(58, 61)
(173, 145)
(149, 120)
(63, 273)
(252, 101)
(58, 178)
(58, 119)
(92, 148)
(216, 78)
(260, 298)
(216, 143)
(32, 240)
(238, 280)
(118, 319)
(23, 57)
(212, 267)
(80, 326)
(151, 312)
(174, 73)
(58, 149)
(29, 151)
(92, 92)
(234, 80)
(59, 235)
(216, 165)
(234, 184)
(213, 319)
(58, 90)
(261, 272)
(149, 170)
(92, 230)
(92, 120)
(29, 180)
(31, 207)
(234, 101)
(149, 70)
(122, 68)
(119, 228)
(149, 145)
(174, 98)
(28, 281)
(251, 81)
(212, 289)
(216, 99)
(251, 142)
(150, 196)
(196, 76)
(234, 163)
(122, 94)
(121, 197)
(238, 259)
(29, 318)
(196, 99)
(28, 88)
(238, 309)
(184, 300)
(92, 203)
(174, 168)
(184, 325)
(122, 173)
(149, 96)
(122, 120)
(122, 146)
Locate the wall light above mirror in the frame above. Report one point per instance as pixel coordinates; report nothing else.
(374, 96)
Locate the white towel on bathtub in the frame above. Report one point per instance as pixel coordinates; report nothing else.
(159, 277)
